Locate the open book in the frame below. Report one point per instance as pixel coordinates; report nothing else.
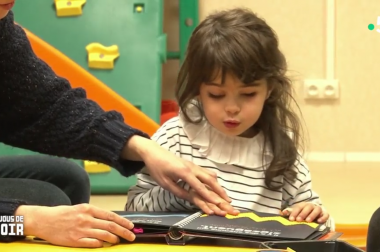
(247, 226)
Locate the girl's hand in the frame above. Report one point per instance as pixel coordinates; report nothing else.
(306, 211)
(221, 209)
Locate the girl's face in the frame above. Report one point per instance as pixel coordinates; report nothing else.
(233, 107)
(5, 7)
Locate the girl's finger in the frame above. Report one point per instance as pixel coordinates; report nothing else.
(325, 216)
(295, 211)
(307, 209)
(317, 211)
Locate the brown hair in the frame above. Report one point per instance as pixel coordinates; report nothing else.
(239, 42)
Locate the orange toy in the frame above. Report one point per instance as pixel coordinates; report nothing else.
(96, 90)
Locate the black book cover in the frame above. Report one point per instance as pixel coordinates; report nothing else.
(248, 225)
(153, 222)
(255, 225)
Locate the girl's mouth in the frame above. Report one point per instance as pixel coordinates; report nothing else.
(231, 124)
(7, 6)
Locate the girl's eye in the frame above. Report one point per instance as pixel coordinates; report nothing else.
(215, 96)
(250, 94)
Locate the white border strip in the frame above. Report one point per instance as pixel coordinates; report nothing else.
(342, 157)
(325, 156)
(363, 157)
(330, 39)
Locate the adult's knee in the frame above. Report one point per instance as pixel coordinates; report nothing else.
(373, 242)
(65, 174)
(34, 192)
(74, 181)
(375, 219)
(72, 173)
(61, 172)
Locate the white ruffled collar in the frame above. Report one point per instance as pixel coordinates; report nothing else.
(223, 149)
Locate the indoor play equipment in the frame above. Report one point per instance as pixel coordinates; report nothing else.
(69, 7)
(114, 50)
(136, 28)
(102, 57)
(95, 89)
(103, 178)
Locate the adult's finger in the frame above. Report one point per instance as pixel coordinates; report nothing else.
(214, 185)
(193, 176)
(103, 235)
(111, 217)
(217, 210)
(202, 205)
(225, 206)
(200, 188)
(111, 228)
(89, 243)
(176, 189)
(209, 172)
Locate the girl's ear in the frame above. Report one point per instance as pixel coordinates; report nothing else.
(269, 93)
(198, 98)
(269, 87)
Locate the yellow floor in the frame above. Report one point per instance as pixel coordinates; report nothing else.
(347, 191)
(156, 247)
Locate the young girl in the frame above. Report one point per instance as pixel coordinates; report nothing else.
(235, 120)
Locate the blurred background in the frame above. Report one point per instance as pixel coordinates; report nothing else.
(127, 54)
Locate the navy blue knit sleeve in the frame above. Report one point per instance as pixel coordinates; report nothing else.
(41, 112)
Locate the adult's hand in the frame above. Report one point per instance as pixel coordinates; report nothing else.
(222, 209)
(75, 226)
(167, 169)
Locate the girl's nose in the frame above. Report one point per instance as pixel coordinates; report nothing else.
(232, 108)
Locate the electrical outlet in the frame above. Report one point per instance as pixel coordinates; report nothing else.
(321, 89)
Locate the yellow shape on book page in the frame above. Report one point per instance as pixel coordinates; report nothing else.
(102, 57)
(280, 219)
(65, 8)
